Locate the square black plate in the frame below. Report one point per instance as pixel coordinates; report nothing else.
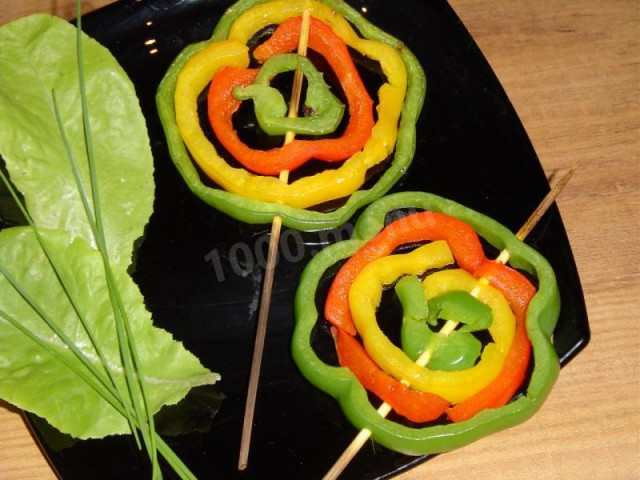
(471, 148)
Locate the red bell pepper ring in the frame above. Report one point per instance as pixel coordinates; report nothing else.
(222, 105)
(411, 404)
(418, 227)
(518, 291)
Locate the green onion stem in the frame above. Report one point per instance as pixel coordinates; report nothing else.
(125, 338)
(127, 368)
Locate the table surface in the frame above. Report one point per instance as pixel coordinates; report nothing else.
(572, 72)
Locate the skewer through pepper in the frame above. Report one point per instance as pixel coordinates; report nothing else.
(480, 411)
(256, 196)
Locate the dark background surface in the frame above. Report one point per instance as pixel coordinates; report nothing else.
(472, 149)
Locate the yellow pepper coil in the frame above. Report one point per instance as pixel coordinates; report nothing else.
(308, 191)
(454, 386)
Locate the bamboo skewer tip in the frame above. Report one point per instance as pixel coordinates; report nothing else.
(267, 286)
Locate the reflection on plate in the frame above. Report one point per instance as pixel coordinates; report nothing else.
(471, 148)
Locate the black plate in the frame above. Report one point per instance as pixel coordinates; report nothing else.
(472, 148)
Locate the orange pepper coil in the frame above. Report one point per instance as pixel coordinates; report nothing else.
(469, 255)
(222, 105)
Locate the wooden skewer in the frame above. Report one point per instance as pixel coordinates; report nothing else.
(267, 285)
(446, 330)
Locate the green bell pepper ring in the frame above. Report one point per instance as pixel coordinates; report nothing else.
(255, 211)
(271, 109)
(542, 315)
(458, 351)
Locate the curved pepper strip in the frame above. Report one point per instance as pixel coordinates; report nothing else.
(271, 108)
(395, 67)
(542, 315)
(252, 210)
(456, 351)
(518, 291)
(367, 290)
(462, 240)
(461, 307)
(454, 386)
(323, 40)
(318, 188)
(411, 404)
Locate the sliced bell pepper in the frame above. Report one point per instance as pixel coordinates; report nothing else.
(416, 406)
(289, 157)
(456, 351)
(518, 291)
(462, 307)
(541, 313)
(419, 227)
(271, 108)
(454, 386)
(369, 373)
(256, 199)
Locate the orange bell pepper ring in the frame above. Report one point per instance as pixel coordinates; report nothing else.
(222, 105)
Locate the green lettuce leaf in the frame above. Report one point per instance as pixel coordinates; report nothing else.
(37, 54)
(35, 381)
